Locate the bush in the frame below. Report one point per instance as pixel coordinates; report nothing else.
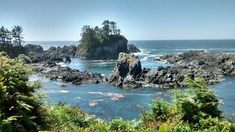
(160, 110)
(20, 108)
(68, 118)
(194, 109)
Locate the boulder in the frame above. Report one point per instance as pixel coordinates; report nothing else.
(127, 70)
(30, 48)
(67, 59)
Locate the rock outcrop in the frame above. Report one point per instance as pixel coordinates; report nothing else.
(132, 48)
(127, 71)
(53, 54)
(75, 76)
(103, 52)
(216, 63)
(30, 48)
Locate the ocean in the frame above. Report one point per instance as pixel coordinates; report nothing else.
(108, 102)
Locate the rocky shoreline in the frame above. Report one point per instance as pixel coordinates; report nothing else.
(36, 53)
(208, 65)
(128, 72)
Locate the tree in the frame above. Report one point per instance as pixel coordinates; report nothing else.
(8, 37)
(118, 31)
(17, 35)
(113, 27)
(96, 37)
(2, 35)
(89, 37)
(106, 27)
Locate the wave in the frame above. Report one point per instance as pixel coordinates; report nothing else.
(191, 49)
(56, 91)
(143, 52)
(118, 94)
(206, 50)
(78, 97)
(64, 91)
(145, 58)
(95, 102)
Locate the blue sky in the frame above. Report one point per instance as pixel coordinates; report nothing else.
(138, 19)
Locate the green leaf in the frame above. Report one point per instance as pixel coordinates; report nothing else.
(163, 128)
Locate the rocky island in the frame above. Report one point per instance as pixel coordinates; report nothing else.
(103, 43)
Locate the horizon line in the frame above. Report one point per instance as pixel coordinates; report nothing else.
(143, 39)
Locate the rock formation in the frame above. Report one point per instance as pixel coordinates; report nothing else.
(53, 54)
(103, 52)
(126, 71)
(75, 76)
(132, 48)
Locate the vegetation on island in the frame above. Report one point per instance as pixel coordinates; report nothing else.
(95, 37)
(11, 40)
(21, 108)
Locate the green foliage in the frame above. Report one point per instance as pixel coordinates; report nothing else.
(96, 37)
(11, 40)
(198, 102)
(160, 110)
(194, 109)
(163, 128)
(67, 118)
(20, 108)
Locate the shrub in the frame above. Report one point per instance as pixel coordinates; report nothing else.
(20, 108)
(160, 110)
(68, 118)
(194, 109)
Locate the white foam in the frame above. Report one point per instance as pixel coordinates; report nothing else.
(114, 96)
(61, 84)
(78, 97)
(145, 58)
(62, 64)
(192, 49)
(64, 91)
(96, 93)
(95, 102)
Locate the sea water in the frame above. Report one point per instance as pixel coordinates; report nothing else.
(108, 102)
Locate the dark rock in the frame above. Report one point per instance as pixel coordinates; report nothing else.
(50, 64)
(132, 48)
(30, 48)
(52, 54)
(67, 59)
(128, 68)
(75, 76)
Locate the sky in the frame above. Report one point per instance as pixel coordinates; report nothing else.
(137, 19)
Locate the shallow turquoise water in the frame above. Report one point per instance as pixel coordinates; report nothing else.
(107, 102)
